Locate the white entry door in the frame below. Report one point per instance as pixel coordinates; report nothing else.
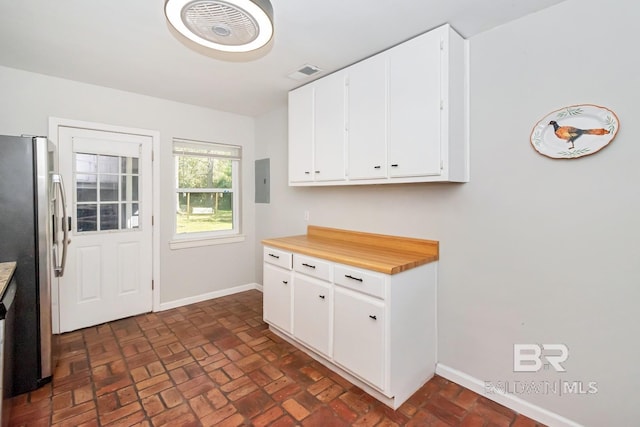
(108, 273)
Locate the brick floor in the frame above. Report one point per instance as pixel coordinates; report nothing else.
(216, 363)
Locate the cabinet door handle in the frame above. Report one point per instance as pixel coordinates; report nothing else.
(348, 276)
(285, 282)
(377, 167)
(274, 256)
(317, 171)
(373, 317)
(308, 265)
(321, 296)
(307, 172)
(395, 165)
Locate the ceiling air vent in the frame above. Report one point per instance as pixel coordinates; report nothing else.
(304, 72)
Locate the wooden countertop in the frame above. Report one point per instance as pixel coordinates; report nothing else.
(377, 252)
(6, 273)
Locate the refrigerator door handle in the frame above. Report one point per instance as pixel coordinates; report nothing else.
(59, 184)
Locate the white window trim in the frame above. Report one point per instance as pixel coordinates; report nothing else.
(194, 240)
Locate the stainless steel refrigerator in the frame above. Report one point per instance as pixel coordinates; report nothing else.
(31, 229)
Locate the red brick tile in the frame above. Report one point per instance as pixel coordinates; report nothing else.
(120, 413)
(218, 416)
(153, 405)
(171, 397)
(343, 411)
(267, 417)
(217, 363)
(295, 409)
(324, 417)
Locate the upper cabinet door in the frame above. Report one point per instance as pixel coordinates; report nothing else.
(330, 133)
(367, 118)
(301, 113)
(414, 146)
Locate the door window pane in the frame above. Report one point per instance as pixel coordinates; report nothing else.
(109, 216)
(108, 188)
(86, 188)
(108, 164)
(107, 191)
(129, 165)
(86, 217)
(129, 215)
(86, 162)
(129, 188)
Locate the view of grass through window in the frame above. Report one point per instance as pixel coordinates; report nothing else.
(205, 193)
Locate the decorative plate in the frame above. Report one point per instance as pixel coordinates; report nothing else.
(574, 131)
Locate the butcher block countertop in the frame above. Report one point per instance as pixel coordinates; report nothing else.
(6, 273)
(377, 252)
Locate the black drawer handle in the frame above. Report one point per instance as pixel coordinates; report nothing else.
(373, 317)
(308, 265)
(377, 167)
(275, 256)
(317, 171)
(348, 276)
(395, 165)
(321, 296)
(285, 282)
(307, 172)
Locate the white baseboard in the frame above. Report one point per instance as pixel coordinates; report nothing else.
(209, 295)
(509, 400)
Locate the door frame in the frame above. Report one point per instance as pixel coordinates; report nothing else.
(54, 124)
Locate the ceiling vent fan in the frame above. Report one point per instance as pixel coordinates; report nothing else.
(229, 26)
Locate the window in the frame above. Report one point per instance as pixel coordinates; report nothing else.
(106, 192)
(207, 189)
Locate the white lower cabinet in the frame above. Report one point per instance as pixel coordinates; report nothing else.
(277, 288)
(358, 344)
(312, 316)
(378, 330)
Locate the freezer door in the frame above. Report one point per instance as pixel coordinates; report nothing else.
(45, 245)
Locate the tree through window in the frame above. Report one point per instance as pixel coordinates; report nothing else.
(207, 190)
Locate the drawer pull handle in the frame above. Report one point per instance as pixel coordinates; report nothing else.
(395, 165)
(307, 172)
(348, 276)
(317, 171)
(321, 296)
(308, 265)
(377, 167)
(275, 256)
(373, 317)
(285, 282)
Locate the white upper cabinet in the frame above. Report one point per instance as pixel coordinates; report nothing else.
(414, 99)
(301, 114)
(317, 131)
(400, 117)
(367, 118)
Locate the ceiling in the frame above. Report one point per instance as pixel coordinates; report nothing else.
(128, 44)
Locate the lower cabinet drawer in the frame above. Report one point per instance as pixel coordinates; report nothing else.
(277, 257)
(312, 267)
(367, 282)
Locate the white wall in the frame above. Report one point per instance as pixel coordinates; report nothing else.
(28, 100)
(533, 250)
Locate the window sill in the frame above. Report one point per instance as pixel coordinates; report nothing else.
(195, 242)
